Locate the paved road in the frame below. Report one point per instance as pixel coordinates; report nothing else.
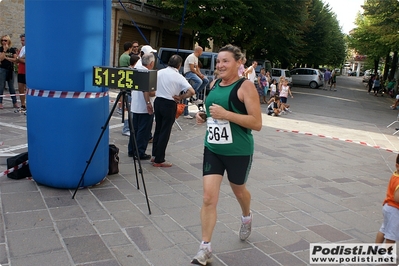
(319, 175)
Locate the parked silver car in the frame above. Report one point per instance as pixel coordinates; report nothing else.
(307, 77)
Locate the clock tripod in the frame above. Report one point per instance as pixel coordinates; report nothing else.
(136, 158)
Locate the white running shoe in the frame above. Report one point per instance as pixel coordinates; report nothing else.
(203, 256)
(245, 229)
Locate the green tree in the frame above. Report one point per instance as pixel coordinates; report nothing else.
(366, 40)
(220, 20)
(377, 34)
(325, 43)
(384, 21)
(284, 32)
(304, 32)
(280, 38)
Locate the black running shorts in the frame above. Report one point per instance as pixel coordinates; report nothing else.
(22, 78)
(237, 167)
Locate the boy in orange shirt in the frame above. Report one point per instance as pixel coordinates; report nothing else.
(389, 230)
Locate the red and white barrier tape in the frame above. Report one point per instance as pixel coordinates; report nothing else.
(9, 95)
(340, 139)
(66, 94)
(8, 171)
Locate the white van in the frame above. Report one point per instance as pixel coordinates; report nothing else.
(207, 59)
(279, 72)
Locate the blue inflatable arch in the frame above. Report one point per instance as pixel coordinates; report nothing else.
(65, 39)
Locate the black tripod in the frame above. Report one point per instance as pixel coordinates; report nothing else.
(136, 157)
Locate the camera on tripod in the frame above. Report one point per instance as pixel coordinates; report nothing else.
(125, 79)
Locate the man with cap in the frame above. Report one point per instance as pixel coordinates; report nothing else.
(146, 49)
(143, 113)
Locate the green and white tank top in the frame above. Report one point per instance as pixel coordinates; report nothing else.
(224, 137)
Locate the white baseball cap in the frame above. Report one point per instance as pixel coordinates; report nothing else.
(146, 49)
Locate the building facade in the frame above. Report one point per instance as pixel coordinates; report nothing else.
(142, 22)
(12, 19)
(133, 20)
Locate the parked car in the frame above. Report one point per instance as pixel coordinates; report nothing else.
(354, 74)
(307, 77)
(279, 72)
(207, 59)
(261, 64)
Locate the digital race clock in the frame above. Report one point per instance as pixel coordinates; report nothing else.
(125, 78)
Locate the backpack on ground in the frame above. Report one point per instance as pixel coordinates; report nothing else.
(14, 163)
(113, 167)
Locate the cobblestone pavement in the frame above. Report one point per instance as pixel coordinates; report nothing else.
(319, 175)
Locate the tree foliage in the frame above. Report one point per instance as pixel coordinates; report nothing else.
(281, 39)
(287, 32)
(377, 33)
(219, 20)
(384, 17)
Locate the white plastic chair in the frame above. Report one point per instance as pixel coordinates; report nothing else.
(396, 121)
